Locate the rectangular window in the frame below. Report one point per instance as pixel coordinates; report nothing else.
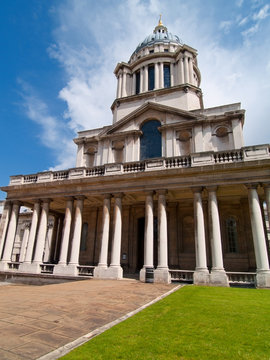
(151, 77)
(138, 82)
(167, 76)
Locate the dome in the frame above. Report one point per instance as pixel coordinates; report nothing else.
(160, 34)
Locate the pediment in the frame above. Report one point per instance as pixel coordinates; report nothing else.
(149, 110)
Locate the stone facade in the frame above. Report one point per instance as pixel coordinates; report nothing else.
(168, 186)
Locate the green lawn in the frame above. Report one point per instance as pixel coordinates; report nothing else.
(192, 323)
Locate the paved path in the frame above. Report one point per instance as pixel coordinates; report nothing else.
(35, 320)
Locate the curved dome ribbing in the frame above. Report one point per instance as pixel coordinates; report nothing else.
(160, 34)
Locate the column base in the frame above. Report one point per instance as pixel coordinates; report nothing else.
(219, 278)
(263, 279)
(4, 266)
(162, 275)
(114, 272)
(69, 270)
(101, 272)
(30, 268)
(201, 277)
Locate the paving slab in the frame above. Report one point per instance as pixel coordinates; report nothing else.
(35, 320)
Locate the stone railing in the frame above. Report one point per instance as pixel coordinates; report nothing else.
(46, 268)
(181, 275)
(247, 278)
(13, 265)
(249, 153)
(85, 270)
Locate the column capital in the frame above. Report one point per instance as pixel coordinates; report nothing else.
(46, 200)
(251, 186)
(17, 202)
(196, 189)
(212, 188)
(69, 198)
(80, 197)
(266, 185)
(149, 193)
(106, 196)
(118, 195)
(162, 192)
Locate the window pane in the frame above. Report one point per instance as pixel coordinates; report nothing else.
(167, 76)
(231, 230)
(151, 77)
(138, 80)
(150, 142)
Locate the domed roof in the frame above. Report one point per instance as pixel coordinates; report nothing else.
(160, 34)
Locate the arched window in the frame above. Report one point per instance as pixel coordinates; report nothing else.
(231, 233)
(84, 237)
(150, 143)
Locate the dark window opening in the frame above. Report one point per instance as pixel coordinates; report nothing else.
(138, 82)
(151, 51)
(167, 76)
(231, 232)
(166, 50)
(150, 142)
(151, 77)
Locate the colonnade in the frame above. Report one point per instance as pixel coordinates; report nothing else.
(181, 72)
(32, 256)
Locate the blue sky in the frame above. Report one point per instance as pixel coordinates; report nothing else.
(58, 57)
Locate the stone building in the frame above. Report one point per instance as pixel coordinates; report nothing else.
(168, 186)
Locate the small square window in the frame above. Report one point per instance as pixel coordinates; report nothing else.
(151, 51)
(166, 50)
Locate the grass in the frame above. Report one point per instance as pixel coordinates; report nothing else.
(193, 323)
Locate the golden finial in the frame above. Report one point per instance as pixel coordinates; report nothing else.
(160, 21)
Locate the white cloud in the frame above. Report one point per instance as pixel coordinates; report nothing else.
(239, 3)
(226, 26)
(263, 13)
(52, 134)
(243, 21)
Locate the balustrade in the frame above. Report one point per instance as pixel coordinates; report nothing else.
(205, 158)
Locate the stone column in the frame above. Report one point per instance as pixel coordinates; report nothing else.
(120, 84)
(66, 234)
(190, 67)
(76, 239)
(4, 224)
(201, 274)
(162, 274)
(218, 276)
(141, 79)
(115, 270)
(181, 71)
(263, 272)
(172, 73)
(134, 84)
(101, 270)
(26, 266)
(148, 235)
(48, 243)
(24, 241)
(156, 77)
(12, 227)
(41, 236)
(124, 85)
(145, 87)
(186, 71)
